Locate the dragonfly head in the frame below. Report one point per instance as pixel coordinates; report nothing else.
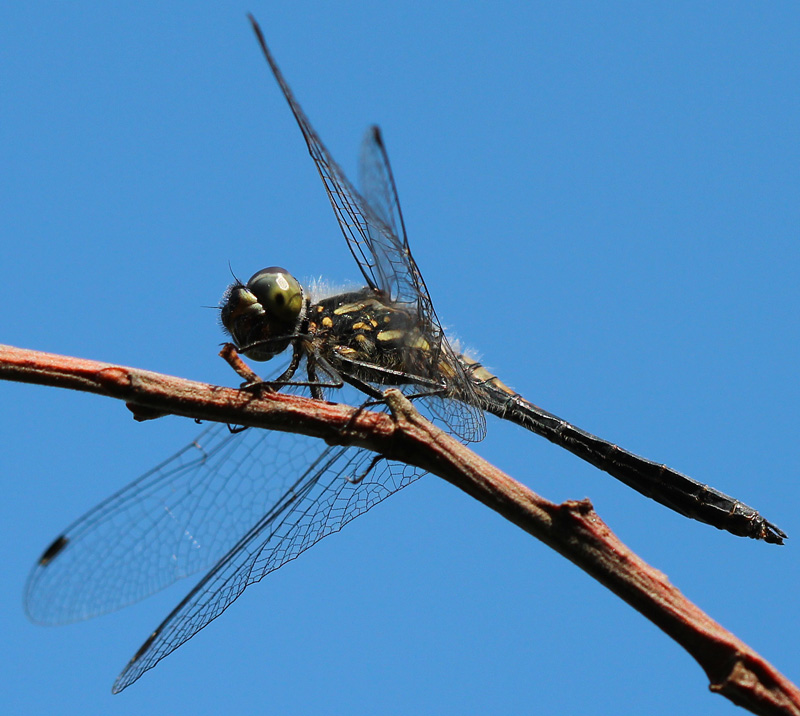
(263, 315)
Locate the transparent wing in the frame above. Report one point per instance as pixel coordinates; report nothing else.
(392, 263)
(178, 518)
(175, 520)
(339, 485)
(393, 259)
(354, 215)
(374, 231)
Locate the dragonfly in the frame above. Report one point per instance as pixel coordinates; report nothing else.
(243, 503)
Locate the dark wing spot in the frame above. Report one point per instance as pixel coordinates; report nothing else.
(144, 647)
(53, 550)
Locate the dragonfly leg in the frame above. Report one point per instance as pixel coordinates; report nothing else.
(232, 357)
(358, 478)
(389, 376)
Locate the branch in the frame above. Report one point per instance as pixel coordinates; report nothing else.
(573, 529)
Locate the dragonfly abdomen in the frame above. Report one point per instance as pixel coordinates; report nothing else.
(654, 480)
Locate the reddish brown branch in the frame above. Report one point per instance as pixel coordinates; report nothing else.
(573, 528)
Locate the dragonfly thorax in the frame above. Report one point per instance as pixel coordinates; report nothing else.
(367, 334)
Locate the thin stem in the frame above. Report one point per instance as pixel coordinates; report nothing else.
(572, 528)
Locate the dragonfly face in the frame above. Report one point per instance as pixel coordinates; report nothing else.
(262, 316)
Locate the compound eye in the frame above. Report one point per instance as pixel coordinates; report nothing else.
(278, 292)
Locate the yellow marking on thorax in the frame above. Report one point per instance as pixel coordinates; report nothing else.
(352, 307)
(390, 335)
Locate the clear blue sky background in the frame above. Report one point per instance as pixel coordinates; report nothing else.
(603, 199)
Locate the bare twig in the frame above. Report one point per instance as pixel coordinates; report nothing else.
(573, 528)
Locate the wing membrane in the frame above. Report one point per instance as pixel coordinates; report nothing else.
(340, 485)
(178, 518)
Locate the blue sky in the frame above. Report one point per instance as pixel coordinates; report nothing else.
(603, 200)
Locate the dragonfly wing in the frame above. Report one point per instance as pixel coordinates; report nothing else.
(398, 273)
(352, 212)
(372, 226)
(403, 280)
(342, 483)
(180, 517)
(374, 230)
(167, 524)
